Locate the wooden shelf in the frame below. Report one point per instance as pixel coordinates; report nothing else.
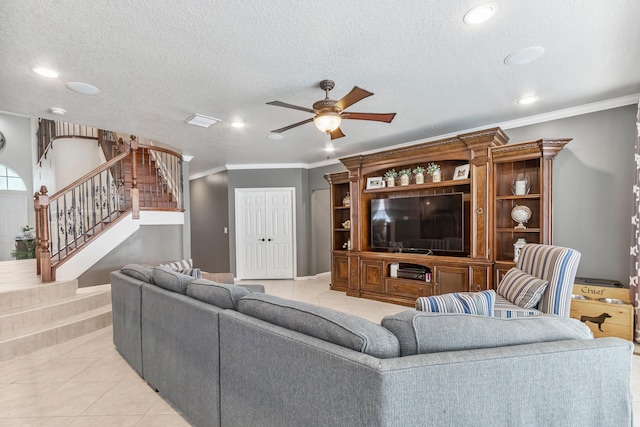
(414, 187)
(341, 229)
(342, 207)
(518, 230)
(511, 197)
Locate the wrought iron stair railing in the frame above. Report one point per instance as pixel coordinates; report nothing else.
(135, 177)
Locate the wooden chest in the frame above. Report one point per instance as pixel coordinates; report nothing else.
(605, 319)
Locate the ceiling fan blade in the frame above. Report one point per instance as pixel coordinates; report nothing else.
(352, 97)
(295, 107)
(370, 116)
(292, 126)
(336, 134)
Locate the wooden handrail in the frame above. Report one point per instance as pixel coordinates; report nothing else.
(139, 177)
(88, 175)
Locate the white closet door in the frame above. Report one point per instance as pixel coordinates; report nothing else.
(264, 233)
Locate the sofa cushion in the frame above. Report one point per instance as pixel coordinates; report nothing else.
(323, 323)
(138, 271)
(522, 289)
(506, 309)
(219, 294)
(420, 332)
(479, 303)
(171, 280)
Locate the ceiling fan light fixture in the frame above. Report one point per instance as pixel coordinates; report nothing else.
(327, 121)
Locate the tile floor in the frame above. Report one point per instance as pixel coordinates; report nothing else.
(84, 382)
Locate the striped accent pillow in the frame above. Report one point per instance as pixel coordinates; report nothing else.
(522, 289)
(180, 265)
(479, 303)
(193, 272)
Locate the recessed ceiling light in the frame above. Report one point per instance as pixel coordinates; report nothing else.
(528, 100)
(45, 72)
(57, 111)
(275, 136)
(82, 88)
(237, 124)
(524, 56)
(202, 121)
(480, 13)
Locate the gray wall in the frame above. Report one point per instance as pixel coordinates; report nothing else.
(209, 211)
(592, 184)
(150, 244)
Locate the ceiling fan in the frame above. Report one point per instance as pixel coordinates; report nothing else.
(330, 113)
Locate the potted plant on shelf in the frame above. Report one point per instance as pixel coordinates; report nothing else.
(390, 177)
(433, 169)
(419, 173)
(405, 175)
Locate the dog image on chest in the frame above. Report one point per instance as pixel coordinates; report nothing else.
(598, 320)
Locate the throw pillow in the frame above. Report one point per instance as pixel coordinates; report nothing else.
(421, 333)
(193, 272)
(180, 265)
(218, 294)
(137, 271)
(171, 280)
(478, 303)
(522, 289)
(323, 323)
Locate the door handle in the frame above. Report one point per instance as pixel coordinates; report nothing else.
(269, 239)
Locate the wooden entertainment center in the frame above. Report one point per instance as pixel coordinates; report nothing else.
(363, 271)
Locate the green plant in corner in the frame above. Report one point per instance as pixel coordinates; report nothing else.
(391, 173)
(433, 168)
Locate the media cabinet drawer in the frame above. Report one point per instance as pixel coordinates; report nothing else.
(408, 288)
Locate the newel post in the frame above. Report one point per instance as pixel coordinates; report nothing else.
(135, 193)
(36, 207)
(45, 255)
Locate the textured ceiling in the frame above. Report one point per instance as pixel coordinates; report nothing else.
(157, 63)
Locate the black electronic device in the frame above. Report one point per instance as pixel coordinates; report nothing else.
(426, 224)
(413, 273)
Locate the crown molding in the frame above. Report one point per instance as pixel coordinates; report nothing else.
(509, 124)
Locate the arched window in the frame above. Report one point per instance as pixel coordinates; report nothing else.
(10, 180)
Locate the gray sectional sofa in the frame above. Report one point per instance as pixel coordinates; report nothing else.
(224, 355)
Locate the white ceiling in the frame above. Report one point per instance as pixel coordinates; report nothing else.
(157, 63)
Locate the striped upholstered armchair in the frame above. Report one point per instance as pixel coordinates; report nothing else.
(536, 265)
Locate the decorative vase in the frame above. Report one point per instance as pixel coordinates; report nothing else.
(347, 200)
(404, 180)
(520, 214)
(436, 176)
(391, 182)
(419, 178)
(517, 247)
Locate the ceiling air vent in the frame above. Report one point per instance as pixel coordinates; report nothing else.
(200, 120)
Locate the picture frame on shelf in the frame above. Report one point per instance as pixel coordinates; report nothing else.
(461, 172)
(375, 182)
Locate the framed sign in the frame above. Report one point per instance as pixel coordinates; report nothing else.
(461, 172)
(375, 182)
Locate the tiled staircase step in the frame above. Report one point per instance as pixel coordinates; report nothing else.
(17, 319)
(37, 294)
(37, 338)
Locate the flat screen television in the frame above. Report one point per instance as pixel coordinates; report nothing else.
(424, 224)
